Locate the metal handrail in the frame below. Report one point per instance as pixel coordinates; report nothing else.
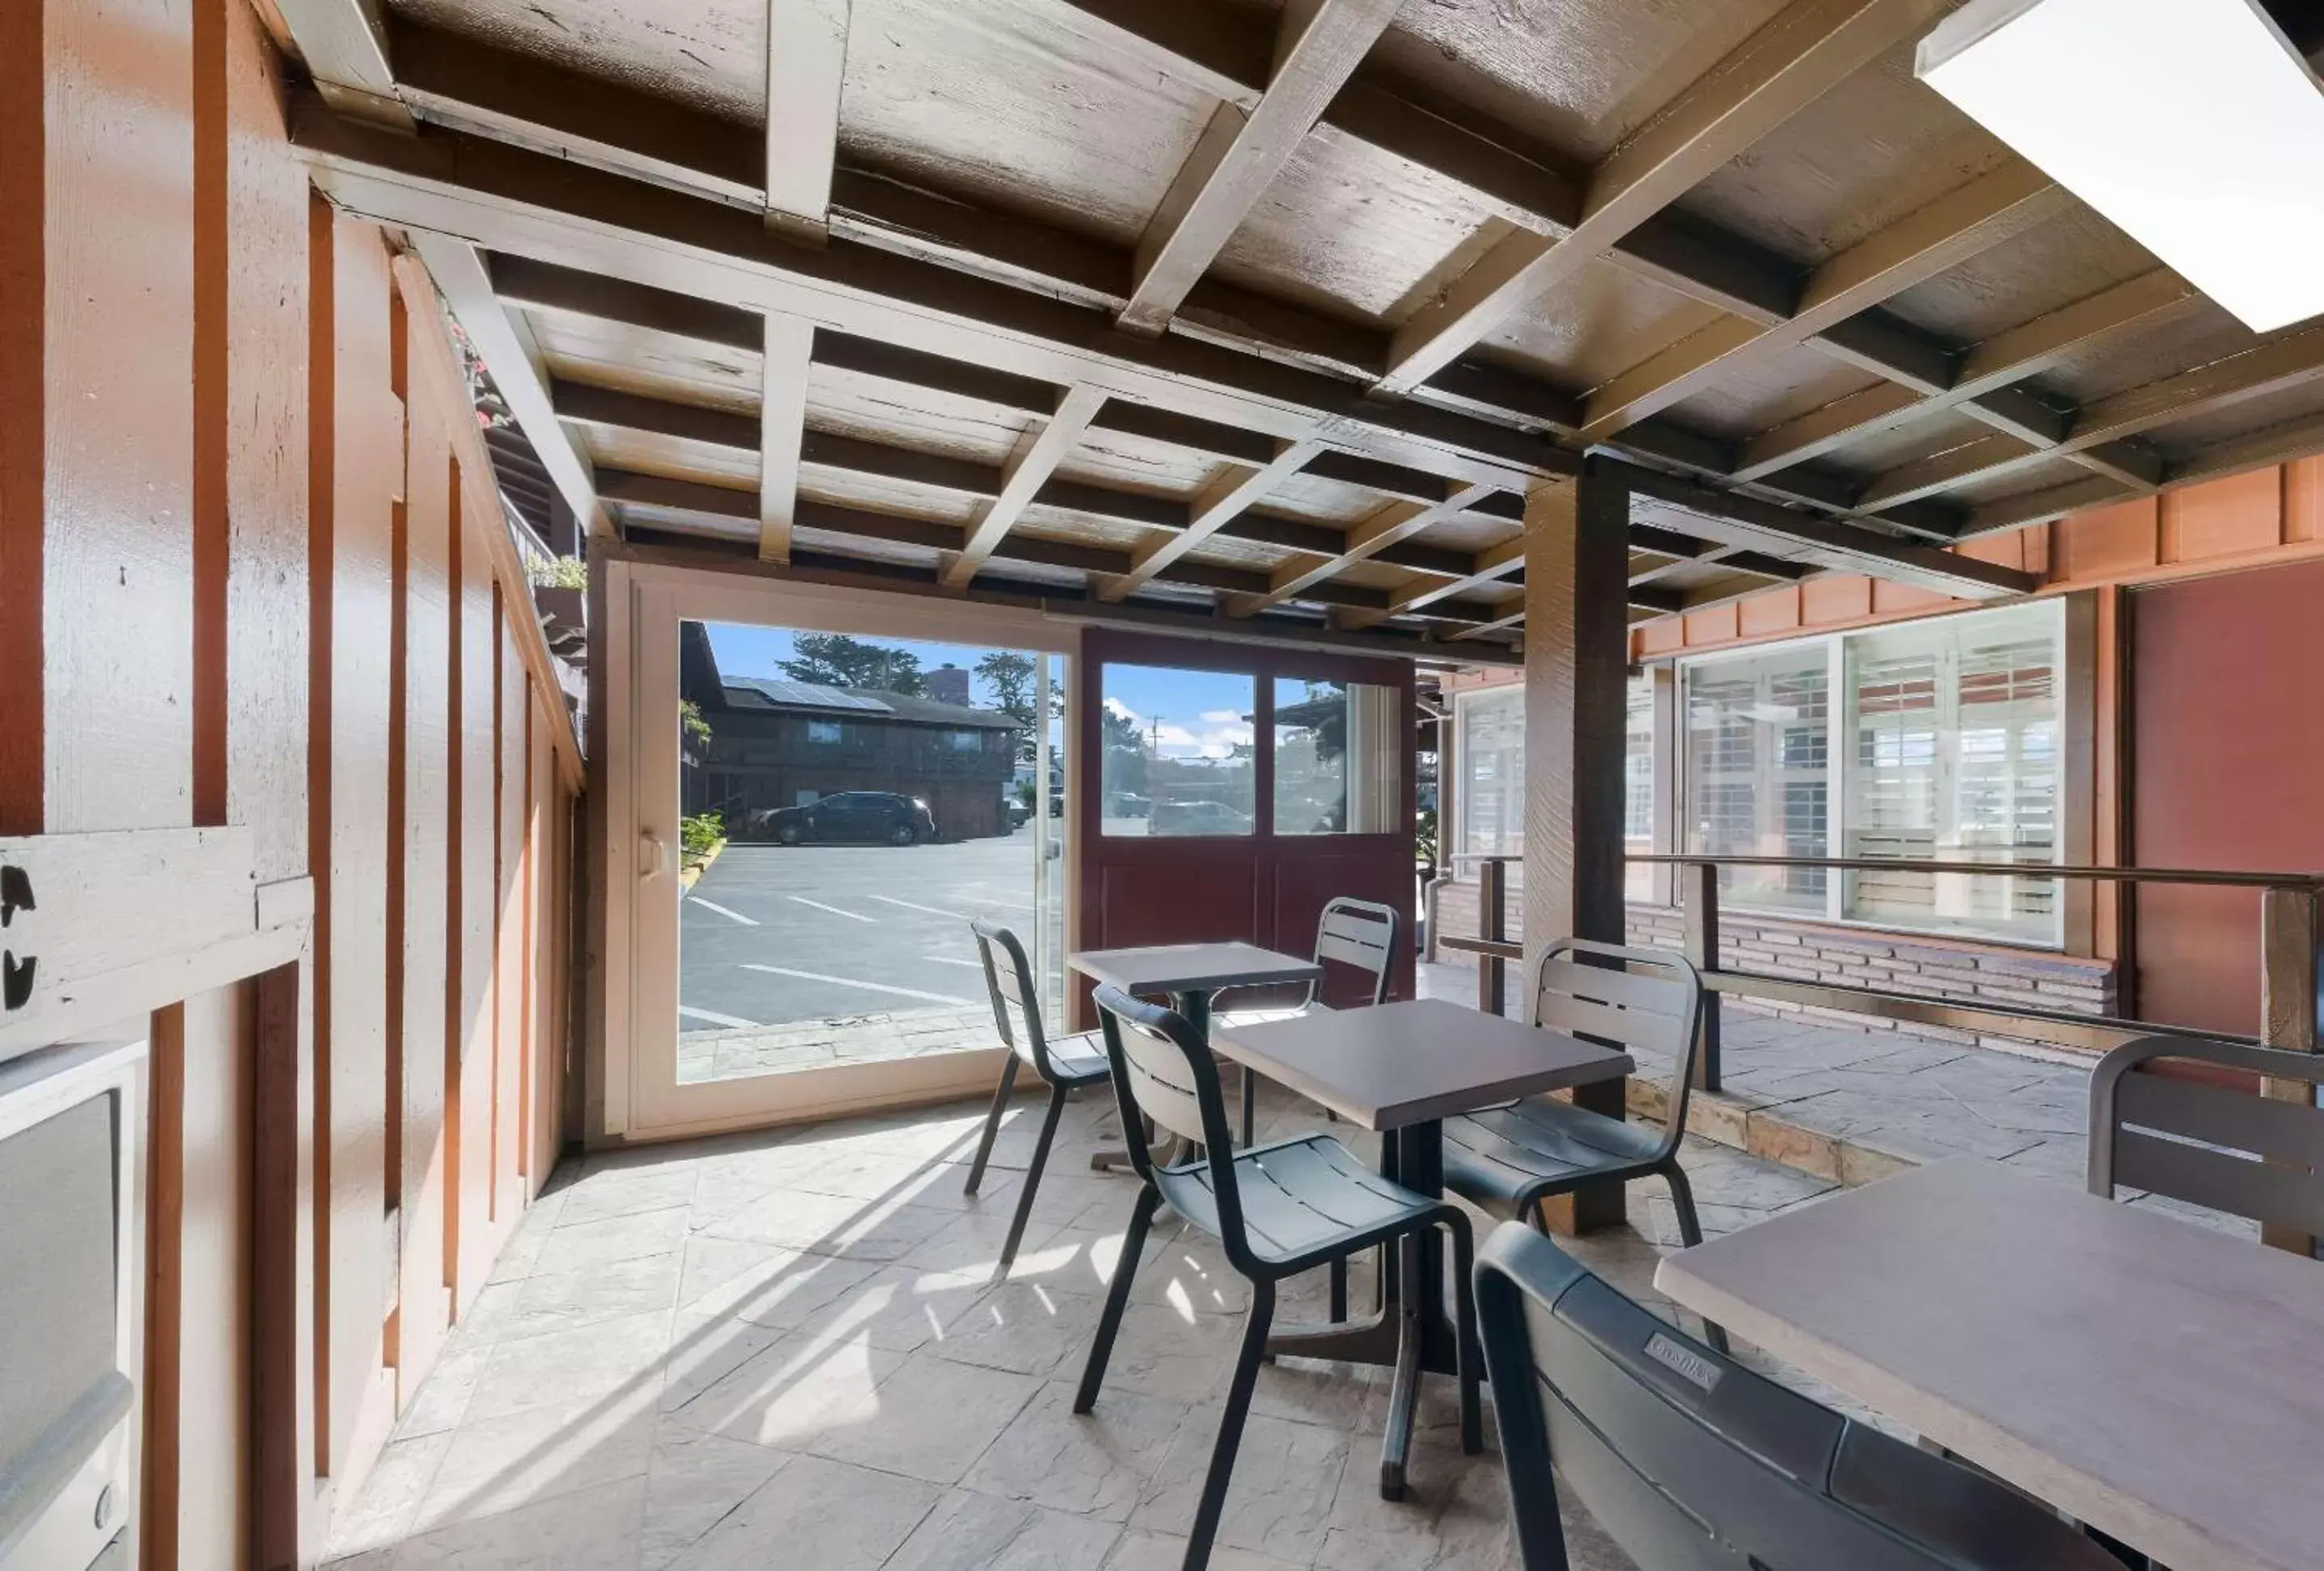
(1996, 869)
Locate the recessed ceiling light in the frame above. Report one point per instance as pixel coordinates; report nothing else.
(2193, 126)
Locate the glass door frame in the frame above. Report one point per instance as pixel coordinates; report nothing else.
(632, 1058)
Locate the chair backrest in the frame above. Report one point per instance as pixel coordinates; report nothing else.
(1691, 1461)
(1163, 1070)
(2257, 1154)
(1643, 1000)
(1358, 933)
(1009, 978)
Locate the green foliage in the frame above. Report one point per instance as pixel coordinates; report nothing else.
(1011, 676)
(556, 572)
(1424, 837)
(833, 660)
(700, 833)
(690, 721)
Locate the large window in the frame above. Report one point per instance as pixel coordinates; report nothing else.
(1490, 752)
(1339, 753)
(1178, 752)
(1638, 787)
(1944, 746)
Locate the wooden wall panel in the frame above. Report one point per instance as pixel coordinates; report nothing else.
(476, 668)
(118, 620)
(2224, 518)
(511, 983)
(368, 450)
(23, 421)
(266, 459)
(426, 1305)
(214, 1353)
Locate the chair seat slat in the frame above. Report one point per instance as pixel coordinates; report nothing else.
(1634, 990)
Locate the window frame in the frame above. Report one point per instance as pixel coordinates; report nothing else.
(1460, 857)
(2073, 647)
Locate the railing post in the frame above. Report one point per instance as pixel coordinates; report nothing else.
(1699, 881)
(1492, 922)
(2288, 975)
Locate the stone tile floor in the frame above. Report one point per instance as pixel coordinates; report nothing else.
(737, 1053)
(785, 1349)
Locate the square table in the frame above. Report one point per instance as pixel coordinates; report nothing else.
(1191, 973)
(2161, 1380)
(1400, 1070)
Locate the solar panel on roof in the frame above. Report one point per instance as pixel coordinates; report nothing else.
(810, 696)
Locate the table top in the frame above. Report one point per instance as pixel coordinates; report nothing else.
(1396, 1064)
(1192, 968)
(2161, 1380)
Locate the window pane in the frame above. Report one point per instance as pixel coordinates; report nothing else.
(1955, 759)
(1638, 787)
(1491, 757)
(1757, 740)
(1177, 757)
(1339, 755)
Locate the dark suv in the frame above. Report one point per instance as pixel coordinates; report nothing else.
(884, 817)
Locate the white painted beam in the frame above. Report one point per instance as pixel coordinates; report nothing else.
(782, 427)
(806, 66)
(1038, 455)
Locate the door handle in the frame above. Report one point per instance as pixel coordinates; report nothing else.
(654, 855)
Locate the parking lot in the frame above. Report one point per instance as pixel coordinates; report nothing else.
(773, 935)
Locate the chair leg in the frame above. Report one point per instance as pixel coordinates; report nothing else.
(1032, 1180)
(1690, 1234)
(1471, 1353)
(1339, 1277)
(1249, 1108)
(1117, 1296)
(1222, 1451)
(992, 1123)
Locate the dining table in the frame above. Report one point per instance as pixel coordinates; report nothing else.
(1191, 976)
(2153, 1377)
(1400, 1070)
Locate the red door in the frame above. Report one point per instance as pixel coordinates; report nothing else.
(2228, 752)
(1158, 871)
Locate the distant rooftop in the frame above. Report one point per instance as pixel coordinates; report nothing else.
(774, 693)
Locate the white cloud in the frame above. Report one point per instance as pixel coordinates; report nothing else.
(1223, 716)
(1116, 707)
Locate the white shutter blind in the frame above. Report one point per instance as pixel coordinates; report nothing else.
(1757, 733)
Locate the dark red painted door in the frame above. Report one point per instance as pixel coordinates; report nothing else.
(2227, 760)
(1262, 887)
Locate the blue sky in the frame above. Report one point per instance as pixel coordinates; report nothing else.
(1193, 713)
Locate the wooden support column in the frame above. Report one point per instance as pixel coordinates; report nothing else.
(2288, 936)
(1577, 655)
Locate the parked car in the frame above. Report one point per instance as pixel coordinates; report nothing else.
(1200, 817)
(885, 818)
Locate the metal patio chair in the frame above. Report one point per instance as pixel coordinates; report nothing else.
(1691, 1461)
(1507, 1161)
(1065, 1066)
(1276, 1210)
(1359, 934)
(2256, 1154)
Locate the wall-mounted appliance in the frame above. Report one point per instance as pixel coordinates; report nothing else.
(71, 1271)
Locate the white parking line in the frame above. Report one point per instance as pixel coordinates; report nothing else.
(932, 910)
(1022, 905)
(954, 960)
(834, 910)
(737, 916)
(715, 1018)
(851, 982)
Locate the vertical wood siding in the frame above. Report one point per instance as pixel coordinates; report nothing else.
(252, 575)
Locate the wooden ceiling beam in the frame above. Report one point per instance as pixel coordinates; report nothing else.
(1227, 498)
(1396, 522)
(468, 290)
(1319, 44)
(515, 201)
(784, 363)
(343, 44)
(807, 63)
(1038, 453)
(2003, 202)
(1808, 48)
(1814, 539)
(2299, 438)
(2105, 423)
(1415, 594)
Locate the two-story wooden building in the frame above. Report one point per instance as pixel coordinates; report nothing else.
(779, 743)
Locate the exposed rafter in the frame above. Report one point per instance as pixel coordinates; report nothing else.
(807, 63)
(1319, 43)
(1396, 522)
(788, 350)
(1808, 48)
(1415, 595)
(2002, 202)
(1036, 459)
(467, 289)
(345, 47)
(1226, 499)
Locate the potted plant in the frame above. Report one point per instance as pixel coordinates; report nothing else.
(559, 587)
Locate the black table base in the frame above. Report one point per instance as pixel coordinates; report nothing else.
(1196, 1008)
(1413, 1331)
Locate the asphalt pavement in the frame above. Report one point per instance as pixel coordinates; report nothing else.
(773, 934)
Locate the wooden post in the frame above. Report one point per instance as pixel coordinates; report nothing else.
(1492, 922)
(1701, 884)
(1577, 666)
(2288, 1009)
